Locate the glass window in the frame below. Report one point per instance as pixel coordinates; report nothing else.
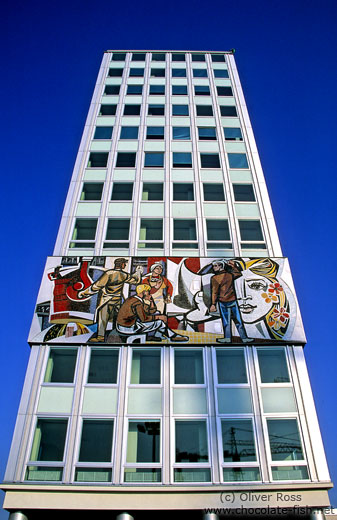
(244, 192)
(180, 110)
(156, 90)
(250, 230)
(103, 366)
(98, 159)
(138, 56)
(136, 72)
(112, 90)
(237, 160)
(143, 442)
(188, 367)
(134, 90)
(155, 132)
(238, 440)
(107, 110)
(220, 73)
(151, 229)
(182, 160)
(191, 441)
(122, 191)
(178, 73)
(231, 366)
(103, 132)
(152, 191)
(129, 132)
(198, 57)
(115, 73)
(181, 133)
(156, 110)
(145, 367)
(233, 134)
(184, 229)
(131, 110)
(213, 191)
(200, 73)
(217, 229)
(179, 90)
(178, 57)
(241, 474)
(218, 58)
(158, 56)
(96, 441)
(117, 229)
(118, 56)
(228, 111)
(290, 473)
(224, 91)
(284, 439)
(207, 133)
(157, 73)
(201, 90)
(204, 110)
(154, 159)
(183, 191)
(126, 159)
(49, 440)
(61, 366)
(210, 160)
(85, 229)
(92, 191)
(273, 366)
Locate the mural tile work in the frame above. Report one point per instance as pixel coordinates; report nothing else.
(166, 299)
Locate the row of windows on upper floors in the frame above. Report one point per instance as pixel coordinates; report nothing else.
(154, 191)
(159, 110)
(159, 90)
(156, 160)
(151, 233)
(138, 72)
(161, 56)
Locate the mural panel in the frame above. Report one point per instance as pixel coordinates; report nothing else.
(107, 300)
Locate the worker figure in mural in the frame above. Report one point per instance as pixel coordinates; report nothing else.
(110, 288)
(161, 288)
(138, 315)
(223, 294)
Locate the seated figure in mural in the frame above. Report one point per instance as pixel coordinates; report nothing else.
(161, 287)
(223, 294)
(138, 315)
(110, 288)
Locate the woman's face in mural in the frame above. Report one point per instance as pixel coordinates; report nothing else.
(249, 290)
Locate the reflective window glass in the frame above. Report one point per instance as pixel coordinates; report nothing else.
(188, 367)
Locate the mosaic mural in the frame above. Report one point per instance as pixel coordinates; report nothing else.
(166, 299)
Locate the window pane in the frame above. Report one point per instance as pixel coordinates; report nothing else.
(134, 89)
(217, 229)
(136, 72)
(156, 110)
(273, 366)
(180, 110)
(178, 73)
(191, 441)
(93, 475)
(204, 110)
(96, 441)
(103, 132)
(178, 57)
(233, 134)
(154, 159)
(44, 473)
(143, 441)
(144, 475)
(181, 133)
(192, 475)
(157, 73)
(244, 192)
(49, 440)
(188, 367)
(241, 474)
(151, 229)
(122, 191)
(92, 191)
(98, 160)
(138, 56)
(183, 191)
(61, 366)
(224, 91)
(213, 191)
(290, 473)
(221, 73)
(118, 56)
(118, 229)
(210, 160)
(218, 58)
(158, 56)
(228, 111)
(107, 110)
(129, 132)
(198, 57)
(200, 73)
(184, 229)
(103, 366)
(152, 191)
(115, 73)
(125, 160)
(132, 110)
(284, 439)
(238, 440)
(155, 132)
(237, 160)
(202, 90)
(179, 90)
(182, 160)
(157, 89)
(112, 90)
(231, 366)
(85, 229)
(250, 230)
(207, 133)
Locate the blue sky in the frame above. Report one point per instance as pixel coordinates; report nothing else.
(286, 56)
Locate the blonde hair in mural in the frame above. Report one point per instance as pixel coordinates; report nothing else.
(277, 319)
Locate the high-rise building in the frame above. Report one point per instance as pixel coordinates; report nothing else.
(167, 368)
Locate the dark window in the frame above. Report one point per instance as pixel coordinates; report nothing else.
(237, 160)
(134, 89)
(178, 57)
(98, 159)
(118, 229)
(224, 91)
(85, 229)
(156, 110)
(158, 73)
(198, 57)
(184, 229)
(103, 132)
(158, 56)
(180, 110)
(191, 441)
(182, 160)
(233, 134)
(202, 90)
(188, 367)
(231, 366)
(118, 56)
(126, 159)
(238, 440)
(213, 192)
(111, 90)
(217, 229)
(183, 191)
(204, 110)
(250, 230)
(151, 229)
(210, 160)
(103, 366)
(155, 132)
(61, 366)
(157, 90)
(96, 441)
(244, 192)
(181, 133)
(129, 132)
(273, 366)
(49, 440)
(136, 72)
(228, 111)
(138, 56)
(152, 191)
(144, 442)
(284, 439)
(116, 73)
(107, 110)
(122, 191)
(200, 73)
(207, 133)
(132, 110)
(218, 58)
(178, 73)
(154, 159)
(221, 73)
(92, 191)
(179, 90)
